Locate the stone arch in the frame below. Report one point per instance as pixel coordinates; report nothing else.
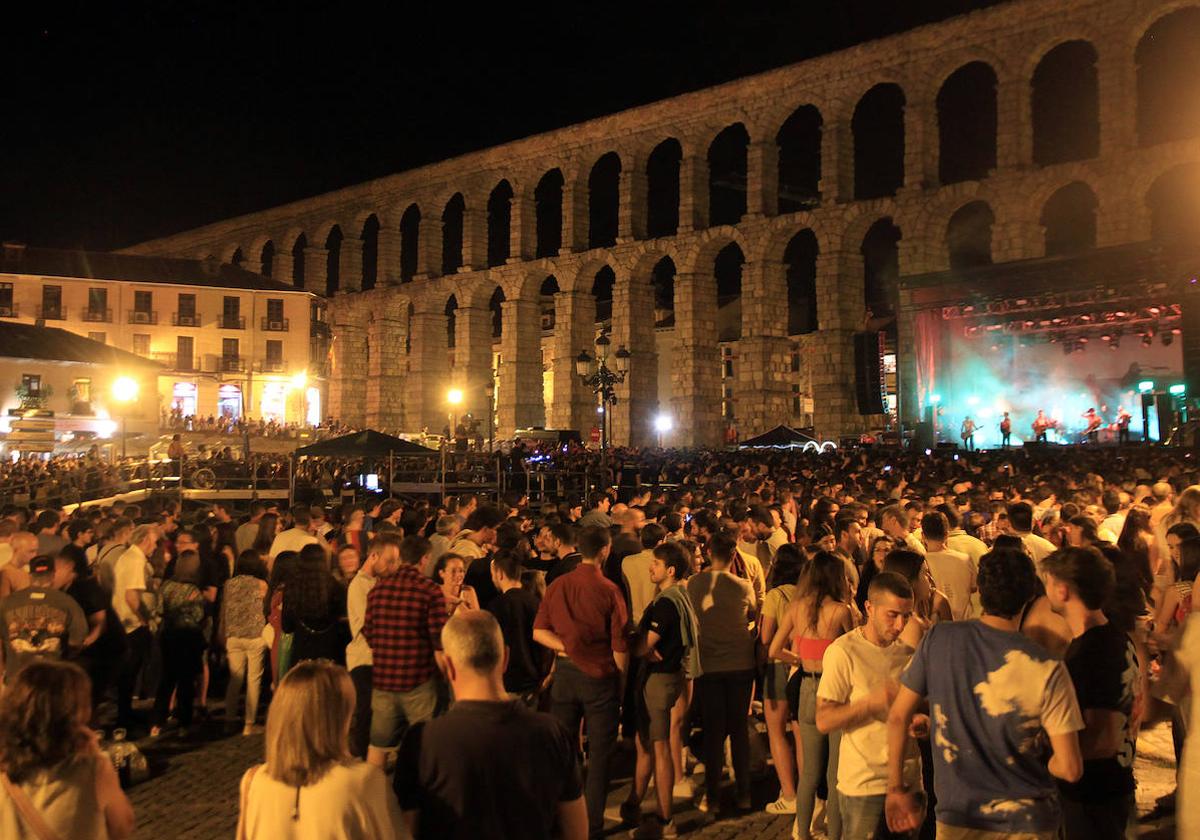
(548, 210)
(706, 247)
(878, 130)
(333, 271)
(452, 233)
(727, 267)
(299, 246)
(603, 284)
(800, 273)
(495, 305)
(410, 242)
(781, 232)
(1069, 219)
(232, 252)
(499, 223)
(798, 147)
(662, 188)
(1174, 203)
(266, 258)
(966, 112)
(604, 199)
(969, 236)
(369, 243)
(547, 288)
(581, 278)
(1065, 104)
(880, 252)
(1168, 78)
(450, 310)
(727, 175)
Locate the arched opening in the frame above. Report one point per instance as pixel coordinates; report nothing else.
(410, 237)
(604, 198)
(370, 252)
(495, 305)
(602, 291)
(546, 293)
(1168, 79)
(800, 270)
(1174, 203)
(881, 268)
(1065, 100)
(662, 278)
(727, 268)
(878, 129)
(799, 144)
(237, 258)
(451, 312)
(547, 199)
(499, 223)
(298, 249)
(266, 259)
(727, 176)
(966, 111)
(969, 236)
(1069, 218)
(662, 189)
(408, 328)
(452, 234)
(333, 261)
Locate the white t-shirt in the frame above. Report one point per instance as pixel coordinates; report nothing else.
(128, 573)
(968, 545)
(636, 570)
(954, 574)
(358, 652)
(352, 801)
(1038, 547)
(293, 539)
(853, 668)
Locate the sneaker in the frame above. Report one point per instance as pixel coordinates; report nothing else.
(683, 789)
(781, 806)
(669, 831)
(631, 812)
(817, 826)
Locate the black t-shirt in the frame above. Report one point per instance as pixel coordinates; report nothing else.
(515, 611)
(562, 566)
(487, 770)
(662, 617)
(1104, 668)
(479, 578)
(92, 598)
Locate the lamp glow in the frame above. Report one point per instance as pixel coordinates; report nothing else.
(663, 423)
(454, 396)
(300, 380)
(125, 389)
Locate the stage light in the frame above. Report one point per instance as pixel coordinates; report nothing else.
(1146, 386)
(934, 399)
(1177, 390)
(972, 400)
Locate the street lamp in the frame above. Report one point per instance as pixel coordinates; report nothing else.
(597, 375)
(125, 392)
(663, 424)
(490, 390)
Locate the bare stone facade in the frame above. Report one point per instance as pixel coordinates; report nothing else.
(1065, 101)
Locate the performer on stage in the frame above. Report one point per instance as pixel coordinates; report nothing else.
(967, 433)
(1092, 432)
(1040, 424)
(1005, 431)
(1123, 418)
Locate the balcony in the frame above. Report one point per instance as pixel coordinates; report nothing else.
(272, 366)
(180, 319)
(142, 316)
(232, 322)
(173, 361)
(280, 325)
(231, 364)
(98, 316)
(10, 310)
(52, 313)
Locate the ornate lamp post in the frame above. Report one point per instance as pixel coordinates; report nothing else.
(597, 375)
(490, 390)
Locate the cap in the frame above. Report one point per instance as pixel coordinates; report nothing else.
(43, 564)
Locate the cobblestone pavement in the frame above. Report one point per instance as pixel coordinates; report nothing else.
(193, 790)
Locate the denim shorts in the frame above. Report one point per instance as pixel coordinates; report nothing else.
(392, 712)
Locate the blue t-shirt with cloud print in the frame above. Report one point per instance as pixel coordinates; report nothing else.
(994, 697)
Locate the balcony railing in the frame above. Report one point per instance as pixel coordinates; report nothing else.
(272, 366)
(143, 316)
(173, 361)
(10, 310)
(280, 325)
(179, 319)
(52, 313)
(98, 316)
(231, 364)
(232, 322)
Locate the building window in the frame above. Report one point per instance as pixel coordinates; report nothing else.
(141, 344)
(52, 303)
(31, 383)
(100, 337)
(796, 405)
(7, 309)
(231, 313)
(81, 396)
(275, 356)
(274, 309)
(795, 360)
(185, 353)
(186, 316)
(143, 301)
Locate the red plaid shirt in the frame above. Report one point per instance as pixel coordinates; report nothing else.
(403, 626)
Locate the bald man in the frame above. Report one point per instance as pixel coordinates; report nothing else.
(15, 576)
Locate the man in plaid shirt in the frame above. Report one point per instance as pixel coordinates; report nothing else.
(403, 627)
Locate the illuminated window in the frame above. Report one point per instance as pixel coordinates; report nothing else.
(141, 344)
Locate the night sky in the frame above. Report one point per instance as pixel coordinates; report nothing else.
(126, 121)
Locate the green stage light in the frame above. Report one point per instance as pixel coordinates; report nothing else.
(1146, 385)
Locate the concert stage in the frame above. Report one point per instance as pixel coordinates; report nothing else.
(1102, 330)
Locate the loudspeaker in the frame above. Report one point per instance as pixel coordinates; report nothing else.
(923, 436)
(868, 373)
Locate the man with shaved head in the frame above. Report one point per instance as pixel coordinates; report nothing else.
(489, 767)
(15, 574)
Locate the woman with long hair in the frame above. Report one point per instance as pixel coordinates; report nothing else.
(1187, 509)
(819, 614)
(51, 763)
(183, 642)
(314, 609)
(310, 786)
(242, 627)
(781, 588)
(449, 572)
(281, 642)
(268, 529)
(1136, 542)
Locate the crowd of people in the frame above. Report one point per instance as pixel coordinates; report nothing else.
(174, 420)
(959, 645)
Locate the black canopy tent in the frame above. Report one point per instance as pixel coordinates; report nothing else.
(365, 444)
(780, 436)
